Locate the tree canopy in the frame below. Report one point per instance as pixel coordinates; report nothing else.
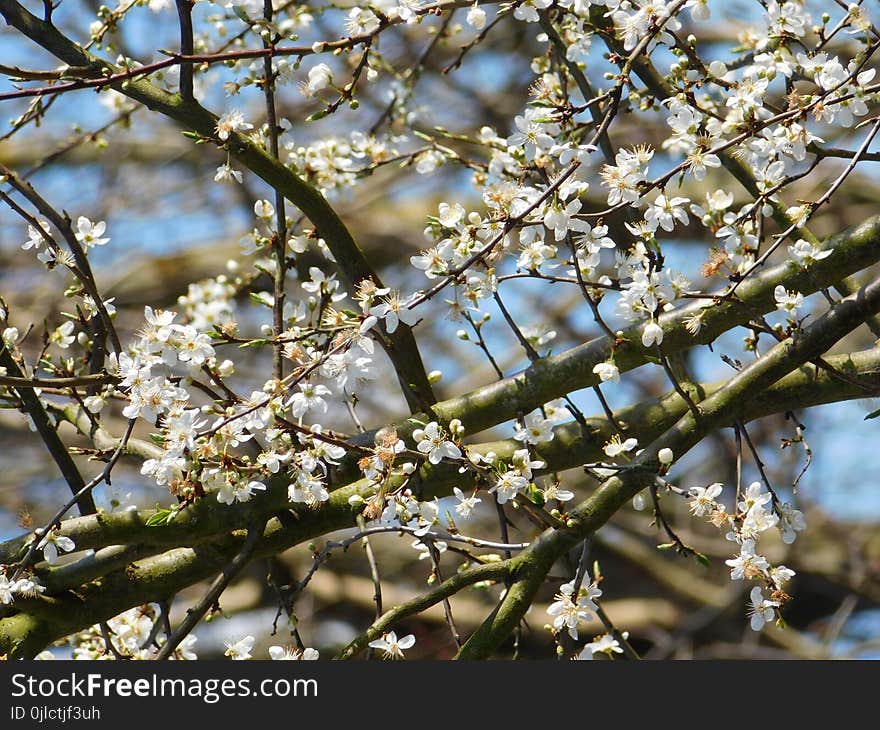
(438, 329)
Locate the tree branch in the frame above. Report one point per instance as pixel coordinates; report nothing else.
(402, 347)
(716, 410)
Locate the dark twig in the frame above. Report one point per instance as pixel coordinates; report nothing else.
(195, 614)
(78, 498)
(184, 15)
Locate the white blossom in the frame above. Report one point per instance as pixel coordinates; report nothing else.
(703, 499)
(787, 301)
(605, 644)
(392, 647)
(465, 504)
(63, 335)
(53, 545)
(282, 653)
(616, 446)
(90, 234)
(652, 334)
(791, 522)
(225, 173)
(568, 610)
(761, 610)
(241, 649)
(607, 371)
(476, 17)
(432, 440)
(806, 253)
(320, 77)
(535, 429)
(231, 122)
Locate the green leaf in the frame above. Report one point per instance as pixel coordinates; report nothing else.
(260, 342)
(703, 560)
(666, 546)
(873, 414)
(161, 517)
(320, 114)
(198, 138)
(536, 495)
(262, 298)
(239, 11)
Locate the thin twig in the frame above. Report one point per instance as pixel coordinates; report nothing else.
(184, 15)
(195, 614)
(77, 498)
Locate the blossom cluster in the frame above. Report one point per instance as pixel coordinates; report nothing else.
(552, 200)
(757, 511)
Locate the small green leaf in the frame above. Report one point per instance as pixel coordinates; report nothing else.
(198, 138)
(157, 519)
(666, 546)
(260, 342)
(161, 517)
(320, 114)
(536, 495)
(263, 298)
(703, 560)
(873, 414)
(240, 12)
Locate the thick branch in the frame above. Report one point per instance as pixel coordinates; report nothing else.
(571, 447)
(155, 578)
(715, 411)
(569, 371)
